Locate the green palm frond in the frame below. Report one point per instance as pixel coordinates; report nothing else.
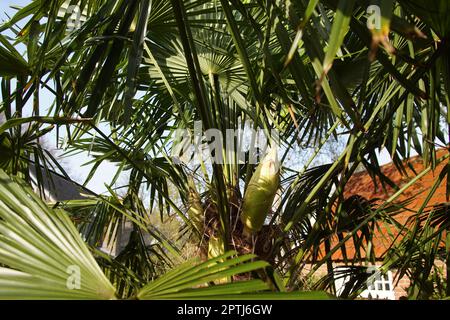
(179, 282)
(136, 71)
(45, 256)
(189, 281)
(11, 62)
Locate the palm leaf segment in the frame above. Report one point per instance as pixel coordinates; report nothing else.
(42, 249)
(44, 257)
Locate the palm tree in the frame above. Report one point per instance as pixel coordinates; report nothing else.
(136, 71)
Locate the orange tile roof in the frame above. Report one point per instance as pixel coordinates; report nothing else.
(362, 184)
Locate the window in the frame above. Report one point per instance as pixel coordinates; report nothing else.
(379, 286)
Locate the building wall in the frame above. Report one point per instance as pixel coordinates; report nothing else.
(401, 286)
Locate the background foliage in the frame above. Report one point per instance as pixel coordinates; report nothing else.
(135, 71)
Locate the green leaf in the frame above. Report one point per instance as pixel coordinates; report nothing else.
(338, 32)
(135, 57)
(44, 255)
(11, 62)
(179, 283)
(22, 14)
(49, 120)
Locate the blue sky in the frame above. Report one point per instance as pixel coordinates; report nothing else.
(72, 164)
(5, 7)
